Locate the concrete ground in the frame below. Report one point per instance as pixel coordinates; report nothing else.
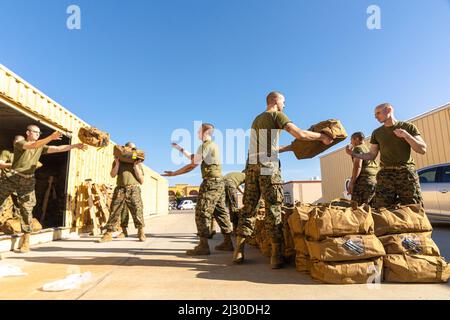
(159, 269)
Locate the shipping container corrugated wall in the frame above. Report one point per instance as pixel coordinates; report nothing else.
(434, 126)
(92, 164)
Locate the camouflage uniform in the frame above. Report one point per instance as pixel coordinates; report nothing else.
(397, 180)
(364, 188)
(211, 202)
(26, 199)
(270, 189)
(20, 181)
(126, 196)
(397, 186)
(232, 181)
(211, 197)
(263, 176)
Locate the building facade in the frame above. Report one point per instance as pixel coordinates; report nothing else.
(302, 191)
(185, 190)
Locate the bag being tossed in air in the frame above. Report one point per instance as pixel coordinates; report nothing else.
(128, 155)
(93, 137)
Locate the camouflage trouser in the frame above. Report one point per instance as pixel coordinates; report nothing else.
(364, 189)
(26, 198)
(231, 200)
(270, 188)
(125, 198)
(211, 202)
(397, 186)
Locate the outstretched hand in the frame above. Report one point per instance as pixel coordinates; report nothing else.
(326, 139)
(81, 146)
(168, 174)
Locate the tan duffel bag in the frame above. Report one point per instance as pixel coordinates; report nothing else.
(361, 271)
(401, 219)
(309, 149)
(93, 137)
(13, 226)
(303, 263)
(289, 247)
(127, 154)
(410, 243)
(336, 221)
(347, 248)
(298, 219)
(301, 246)
(415, 269)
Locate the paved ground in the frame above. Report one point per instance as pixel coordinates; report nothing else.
(159, 269)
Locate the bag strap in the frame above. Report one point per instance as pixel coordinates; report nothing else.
(353, 203)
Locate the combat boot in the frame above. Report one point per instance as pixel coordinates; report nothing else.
(106, 237)
(141, 235)
(201, 250)
(276, 260)
(227, 244)
(238, 255)
(25, 248)
(123, 234)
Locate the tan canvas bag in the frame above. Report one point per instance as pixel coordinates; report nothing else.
(401, 219)
(335, 221)
(415, 269)
(346, 248)
(410, 243)
(346, 272)
(309, 149)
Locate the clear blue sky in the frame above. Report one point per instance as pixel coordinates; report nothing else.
(140, 69)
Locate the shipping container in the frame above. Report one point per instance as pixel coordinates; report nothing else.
(22, 104)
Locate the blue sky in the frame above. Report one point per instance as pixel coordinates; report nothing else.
(140, 69)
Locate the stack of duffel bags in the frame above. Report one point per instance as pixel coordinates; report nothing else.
(341, 242)
(261, 237)
(297, 221)
(412, 255)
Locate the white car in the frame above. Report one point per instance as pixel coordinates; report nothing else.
(435, 185)
(186, 205)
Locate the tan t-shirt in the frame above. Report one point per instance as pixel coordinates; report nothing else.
(265, 135)
(26, 161)
(126, 175)
(369, 167)
(210, 167)
(394, 151)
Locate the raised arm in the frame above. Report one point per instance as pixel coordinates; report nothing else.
(40, 143)
(371, 155)
(284, 149)
(196, 159)
(182, 150)
(306, 135)
(416, 142)
(65, 148)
